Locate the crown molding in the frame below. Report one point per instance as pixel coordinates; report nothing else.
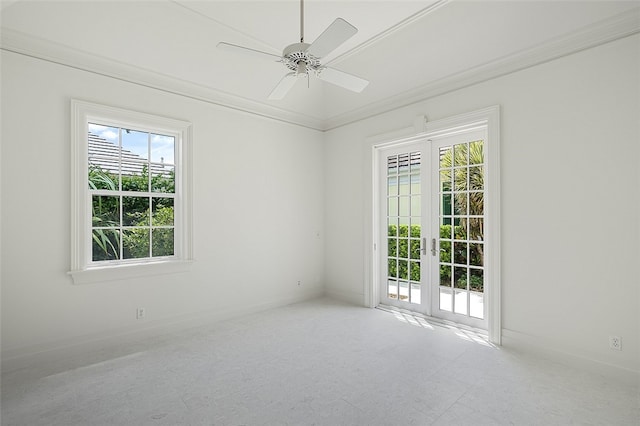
(605, 31)
(35, 47)
(614, 28)
(388, 32)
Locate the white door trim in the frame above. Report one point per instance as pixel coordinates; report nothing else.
(489, 117)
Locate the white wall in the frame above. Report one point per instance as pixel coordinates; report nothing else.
(258, 213)
(570, 208)
(570, 199)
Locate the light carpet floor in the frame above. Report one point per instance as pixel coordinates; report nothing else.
(320, 362)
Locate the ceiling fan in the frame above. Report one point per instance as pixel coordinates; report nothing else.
(303, 59)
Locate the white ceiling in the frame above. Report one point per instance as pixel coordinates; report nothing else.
(272, 25)
(402, 47)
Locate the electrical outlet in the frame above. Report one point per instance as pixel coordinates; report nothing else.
(140, 313)
(299, 282)
(615, 343)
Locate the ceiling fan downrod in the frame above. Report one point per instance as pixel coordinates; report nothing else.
(301, 21)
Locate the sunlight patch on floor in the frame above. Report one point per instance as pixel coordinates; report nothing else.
(420, 320)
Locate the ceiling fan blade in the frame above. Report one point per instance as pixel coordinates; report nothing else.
(283, 86)
(248, 51)
(335, 34)
(343, 79)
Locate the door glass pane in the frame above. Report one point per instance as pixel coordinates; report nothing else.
(416, 161)
(415, 184)
(414, 249)
(445, 275)
(414, 271)
(476, 152)
(460, 277)
(403, 163)
(460, 230)
(392, 268)
(403, 291)
(460, 179)
(404, 203)
(392, 226)
(445, 180)
(403, 269)
(460, 155)
(392, 186)
(460, 204)
(392, 289)
(476, 178)
(404, 227)
(392, 165)
(446, 204)
(416, 207)
(445, 251)
(476, 204)
(416, 293)
(476, 305)
(445, 157)
(476, 229)
(460, 302)
(403, 185)
(403, 248)
(461, 218)
(476, 254)
(445, 299)
(476, 279)
(460, 253)
(415, 228)
(392, 247)
(392, 206)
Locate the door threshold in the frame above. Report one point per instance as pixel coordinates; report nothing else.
(479, 333)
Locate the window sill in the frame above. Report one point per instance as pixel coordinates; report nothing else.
(123, 272)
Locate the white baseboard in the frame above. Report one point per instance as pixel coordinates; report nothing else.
(521, 342)
(346, 296)
(65, 354)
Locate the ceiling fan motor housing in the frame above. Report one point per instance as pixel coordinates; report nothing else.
(296, 54)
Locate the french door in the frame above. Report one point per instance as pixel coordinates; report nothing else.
(432, 216)
(403, 208)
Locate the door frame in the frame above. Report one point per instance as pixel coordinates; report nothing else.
(487, 117)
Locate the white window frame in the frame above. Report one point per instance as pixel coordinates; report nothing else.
(83, 270)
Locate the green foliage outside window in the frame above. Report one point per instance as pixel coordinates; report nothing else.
(405, 249)
(138, 216)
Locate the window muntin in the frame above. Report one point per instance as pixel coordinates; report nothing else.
(131, 180)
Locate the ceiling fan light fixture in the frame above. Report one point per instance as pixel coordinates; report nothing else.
(295, 54)
(303, 59)
(301, 71)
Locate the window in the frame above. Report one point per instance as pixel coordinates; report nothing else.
(131, 187)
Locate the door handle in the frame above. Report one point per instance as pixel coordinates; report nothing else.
(433, 247)
(423, 247)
